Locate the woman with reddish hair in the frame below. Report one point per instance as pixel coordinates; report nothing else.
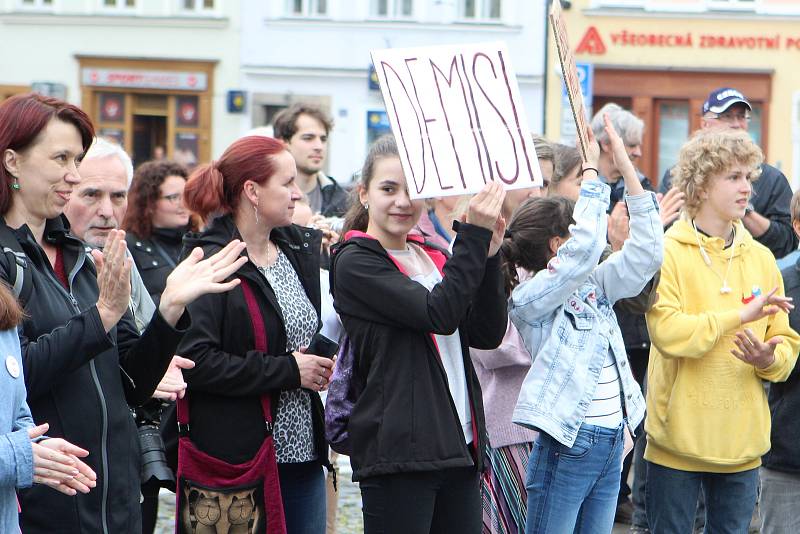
(253, 393)
(84, 361)
(156, 221)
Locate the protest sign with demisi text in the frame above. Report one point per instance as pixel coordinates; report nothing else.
(458, 118)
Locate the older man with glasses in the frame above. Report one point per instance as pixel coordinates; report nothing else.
(767, 218)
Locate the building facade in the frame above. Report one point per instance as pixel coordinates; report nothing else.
(661, 58)
(319, 51)
(150, 73)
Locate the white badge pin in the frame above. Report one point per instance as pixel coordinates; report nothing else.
(12, 365)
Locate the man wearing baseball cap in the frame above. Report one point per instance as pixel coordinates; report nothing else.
(768, 217)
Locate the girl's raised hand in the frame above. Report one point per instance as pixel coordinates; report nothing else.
(592, 155)
(621, 160)
(485, 207)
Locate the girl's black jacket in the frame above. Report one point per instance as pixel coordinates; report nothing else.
(81, 380)
(405, 419)
(230, 376)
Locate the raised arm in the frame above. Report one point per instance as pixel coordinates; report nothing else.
(574, 261)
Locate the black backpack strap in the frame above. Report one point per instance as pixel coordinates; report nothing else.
(17, 264)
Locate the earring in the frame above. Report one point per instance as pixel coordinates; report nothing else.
(255, 210)
(15, 185)
(366, 206)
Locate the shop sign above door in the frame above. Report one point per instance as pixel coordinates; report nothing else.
(144, 79)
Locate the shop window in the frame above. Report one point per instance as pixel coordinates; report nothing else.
(486, 10)
(308, 8)
(392, 8)
(755, 123)
(673, 129)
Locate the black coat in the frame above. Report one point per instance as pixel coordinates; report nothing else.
(230, 375)
(81, 381)
(156, 257)
(405, 419)
(784, 397)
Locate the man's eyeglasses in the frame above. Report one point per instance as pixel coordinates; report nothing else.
(733, 117)
(174, 198)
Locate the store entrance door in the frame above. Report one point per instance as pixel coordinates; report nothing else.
(149, 132)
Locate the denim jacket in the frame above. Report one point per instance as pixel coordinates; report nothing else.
(16, 455)
(566, 318)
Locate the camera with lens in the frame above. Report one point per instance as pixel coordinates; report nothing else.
(154, 467)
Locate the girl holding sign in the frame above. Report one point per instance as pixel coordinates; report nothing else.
(580, 393)
(417, 429)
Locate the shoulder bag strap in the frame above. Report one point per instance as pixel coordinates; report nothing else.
(260, 335)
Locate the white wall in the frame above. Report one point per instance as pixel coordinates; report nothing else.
(290, 57)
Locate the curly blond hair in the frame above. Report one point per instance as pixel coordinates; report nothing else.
(708, 153)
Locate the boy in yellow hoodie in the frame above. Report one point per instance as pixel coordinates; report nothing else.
(718, 329)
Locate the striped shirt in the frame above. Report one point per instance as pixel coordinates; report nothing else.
(606, 407)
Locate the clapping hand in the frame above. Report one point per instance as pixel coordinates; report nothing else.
(113, 279)
(753, 351)
(618, 226)
(56, 464)
(764, 305)
(196, 276)
(670, 205)
(172, 386)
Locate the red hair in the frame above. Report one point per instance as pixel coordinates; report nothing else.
(217, 186)
(22, 119)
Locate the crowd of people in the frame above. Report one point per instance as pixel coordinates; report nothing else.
(495, 363)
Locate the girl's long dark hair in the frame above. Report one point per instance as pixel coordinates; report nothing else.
(357, 217)
(527, 242)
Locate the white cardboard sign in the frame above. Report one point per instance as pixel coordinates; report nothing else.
(458, 118)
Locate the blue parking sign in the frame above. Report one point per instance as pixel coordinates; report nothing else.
(586, 76)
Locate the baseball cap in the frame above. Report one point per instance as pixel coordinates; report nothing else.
(721, 99)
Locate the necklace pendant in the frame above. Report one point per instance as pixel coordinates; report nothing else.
(725, 289)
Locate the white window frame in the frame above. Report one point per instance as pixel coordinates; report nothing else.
(37, 5)
(732, 5)
(120, 8)
(482, 8)
(310, 9)
(619, 3)
(393, 10)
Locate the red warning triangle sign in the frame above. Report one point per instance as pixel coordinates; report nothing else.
(591, 43)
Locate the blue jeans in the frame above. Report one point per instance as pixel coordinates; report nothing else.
(671, 496)
(574, 489)
(303, 493)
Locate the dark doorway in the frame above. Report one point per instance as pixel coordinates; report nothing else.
(148, 132)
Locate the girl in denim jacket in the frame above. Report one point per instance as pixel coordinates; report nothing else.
(579, 393)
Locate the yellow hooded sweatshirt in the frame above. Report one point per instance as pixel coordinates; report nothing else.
(706, 409)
